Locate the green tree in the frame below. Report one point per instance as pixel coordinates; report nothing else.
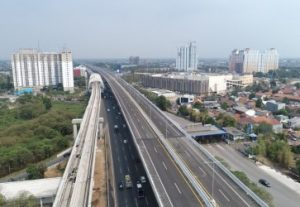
(183, 110)
(298, 166)
(273, 83)
(263, 128)
(297, 85)
(261, 147)
(47, 103)
(224, 105)
(259, 103)
(163, 103)
(225, 120)
(2, 200)
(24, 200)
(198, 105)
(251, 95)
(35, 171)
(285, 100)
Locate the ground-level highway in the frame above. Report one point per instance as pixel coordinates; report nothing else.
(282, 194)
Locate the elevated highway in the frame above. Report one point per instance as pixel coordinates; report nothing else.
(148, 125)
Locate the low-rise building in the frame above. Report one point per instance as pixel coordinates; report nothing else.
(233, 134)
(240, 81)
(205, 133)
(277, 127)
(294, 122)
(80, 71)
(186, 99)
(274, 106)
(190, 83)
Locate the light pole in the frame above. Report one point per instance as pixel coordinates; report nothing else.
(213, 179)
(166, 129)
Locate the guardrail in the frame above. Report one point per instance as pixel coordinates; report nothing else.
(207, 200)
(249, 192)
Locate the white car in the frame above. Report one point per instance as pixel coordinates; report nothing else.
(143, 179)
(108, 110)
(125, 141)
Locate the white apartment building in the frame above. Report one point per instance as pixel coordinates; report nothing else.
(34, 69)
(186, 59)
(249, 60)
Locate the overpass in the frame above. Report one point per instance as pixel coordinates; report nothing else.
(190, 170)
(75, 188)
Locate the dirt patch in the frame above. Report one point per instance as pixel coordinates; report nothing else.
(99, 189)
(55, 171)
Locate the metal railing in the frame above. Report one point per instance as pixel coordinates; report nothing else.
(207, 200)
(248, 191)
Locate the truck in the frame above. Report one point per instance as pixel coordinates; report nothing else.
(128, 182)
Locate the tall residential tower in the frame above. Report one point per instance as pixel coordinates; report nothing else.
(187, 57)
(34, 69)
(249, 61)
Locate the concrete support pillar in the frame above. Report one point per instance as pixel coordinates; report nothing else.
(75, 130)
(101, 120)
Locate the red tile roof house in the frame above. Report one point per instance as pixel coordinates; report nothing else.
(276, 125)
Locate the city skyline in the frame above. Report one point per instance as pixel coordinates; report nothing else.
(118, 29)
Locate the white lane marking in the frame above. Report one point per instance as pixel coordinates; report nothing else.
(220, 147)
(128, 169)
(203, 172)
(147, 203)
(123, 149)
(126, 202)
(129, 117)
(217, 174)
(164, 165)
(177, 188)
(136, 203)
(118, 158)
(120, 170)
(136, 168)
(125, 158)
(143, 127)
(224, 195)
(155, 149)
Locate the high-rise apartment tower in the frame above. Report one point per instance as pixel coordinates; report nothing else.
(34, 69)
(187, 57)
(249, 60)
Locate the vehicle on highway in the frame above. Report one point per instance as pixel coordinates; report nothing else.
(108, 110)
(124, 125)
(140, 191)
(264, 182)
(143, 179)
(125, 141)
(128, 182)
(116, 127)
(121, 185)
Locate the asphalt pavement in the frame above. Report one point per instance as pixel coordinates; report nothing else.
(282, 194)
(218, 185)
(178, 189)
(125, 157)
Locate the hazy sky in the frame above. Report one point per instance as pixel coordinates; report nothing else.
(149, 28)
